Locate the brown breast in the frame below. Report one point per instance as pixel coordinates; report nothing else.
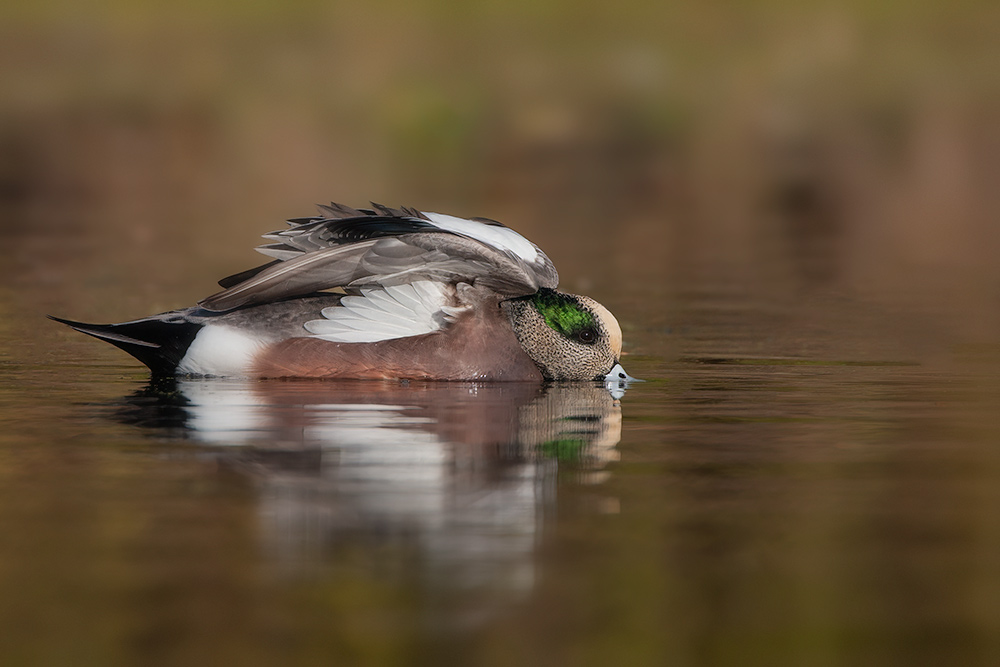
(479, 346)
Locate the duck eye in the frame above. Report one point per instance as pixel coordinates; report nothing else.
(587, 336)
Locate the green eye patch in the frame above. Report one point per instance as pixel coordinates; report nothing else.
(563, 313)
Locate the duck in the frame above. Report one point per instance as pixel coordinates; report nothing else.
(384, 293)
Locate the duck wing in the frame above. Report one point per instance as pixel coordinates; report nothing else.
(383, 247)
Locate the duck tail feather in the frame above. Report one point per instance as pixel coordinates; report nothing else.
(157, 342)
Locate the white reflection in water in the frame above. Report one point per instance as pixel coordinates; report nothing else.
(223, 413)
(466, 472)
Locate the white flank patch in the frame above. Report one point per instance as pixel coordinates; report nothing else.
(219, 350)
(399, 311)
(503, 238)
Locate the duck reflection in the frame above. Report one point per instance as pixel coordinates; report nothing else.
(465, 472)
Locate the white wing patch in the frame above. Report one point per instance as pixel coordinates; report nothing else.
(502, 238)
(399, 311)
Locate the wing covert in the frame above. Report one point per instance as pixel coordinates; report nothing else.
(385, 248)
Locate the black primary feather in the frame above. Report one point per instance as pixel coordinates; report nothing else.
(341, 224)
(158, 343)
(356, 229)
(237, 278)
(334, 211)
(319, 233)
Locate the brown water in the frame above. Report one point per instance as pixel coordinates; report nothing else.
(807, 476)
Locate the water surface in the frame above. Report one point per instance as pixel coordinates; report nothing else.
(803, 478)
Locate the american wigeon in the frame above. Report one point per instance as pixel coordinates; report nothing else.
(419, 296)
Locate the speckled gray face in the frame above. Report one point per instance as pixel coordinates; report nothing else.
(569, 337)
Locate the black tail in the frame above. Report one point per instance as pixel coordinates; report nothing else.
(158, 342)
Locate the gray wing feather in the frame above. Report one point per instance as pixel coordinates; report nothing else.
(305, 273)
(384, 262)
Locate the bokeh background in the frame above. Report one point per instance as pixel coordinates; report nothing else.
(828, 144)
(793, 208)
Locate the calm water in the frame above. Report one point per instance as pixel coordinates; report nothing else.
(808, 476)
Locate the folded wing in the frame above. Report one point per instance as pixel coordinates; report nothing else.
(378, 249)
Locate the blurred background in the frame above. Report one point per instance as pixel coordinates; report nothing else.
(792, 207)
(794, 145)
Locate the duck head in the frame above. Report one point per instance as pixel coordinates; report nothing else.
(569, 337)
